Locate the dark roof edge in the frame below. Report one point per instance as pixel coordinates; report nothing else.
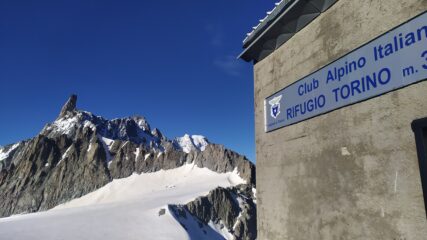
(267, 21)
(294, 16)
(268, 26)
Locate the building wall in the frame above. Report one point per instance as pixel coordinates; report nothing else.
(352, 173)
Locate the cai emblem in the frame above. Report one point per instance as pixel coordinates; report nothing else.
(275, 106)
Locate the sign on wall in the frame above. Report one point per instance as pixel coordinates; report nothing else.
(394, 60)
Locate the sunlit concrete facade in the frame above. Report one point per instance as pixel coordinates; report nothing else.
(352, 173)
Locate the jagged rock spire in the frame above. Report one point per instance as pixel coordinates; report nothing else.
(156, 132)
(69, 106)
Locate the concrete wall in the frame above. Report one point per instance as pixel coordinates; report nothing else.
(308, 187)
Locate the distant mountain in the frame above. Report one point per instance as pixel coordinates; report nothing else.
(81, 155)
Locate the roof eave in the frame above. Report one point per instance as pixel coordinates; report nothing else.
(295, 16)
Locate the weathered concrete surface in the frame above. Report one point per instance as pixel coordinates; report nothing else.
(308, 187)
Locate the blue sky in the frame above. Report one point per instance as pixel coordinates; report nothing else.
(173, 62)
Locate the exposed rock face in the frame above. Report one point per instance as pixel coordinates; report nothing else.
(232, 210)
(219, 159)
(80, 152)
(156, 133)
(9, 154)
(69, 106)
(52, 171)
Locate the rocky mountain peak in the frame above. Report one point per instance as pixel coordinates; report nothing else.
(156, 132)
(189, 143)
(141, 123)
(69, 106)
(81, 152)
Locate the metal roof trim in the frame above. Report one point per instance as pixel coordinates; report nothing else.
(292, 3)
(266, 21)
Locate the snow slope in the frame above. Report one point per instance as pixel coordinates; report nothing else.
(125, 209)
(5, 153)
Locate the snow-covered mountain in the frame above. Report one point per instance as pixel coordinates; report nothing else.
(189, 143)
(92, 178)
(134, 129)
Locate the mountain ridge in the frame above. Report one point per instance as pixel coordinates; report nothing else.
(80, 152)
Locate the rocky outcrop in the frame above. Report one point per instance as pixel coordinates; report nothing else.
(219, 159)
(69, 106)
(80, 152)
(9, 154)
(230, 210)
(156, 133)
(53, 171)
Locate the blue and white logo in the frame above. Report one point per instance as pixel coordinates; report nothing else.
(275, 106)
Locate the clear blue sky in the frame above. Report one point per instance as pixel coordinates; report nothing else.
(173, 62)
